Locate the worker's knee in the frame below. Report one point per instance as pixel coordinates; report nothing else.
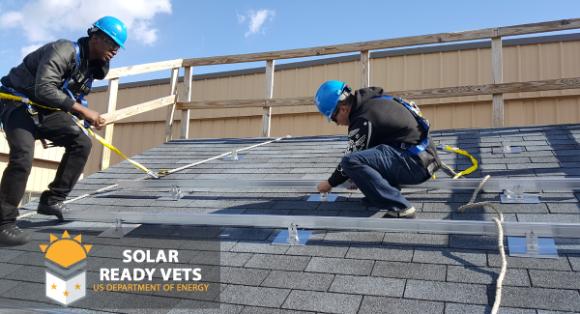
(83, 145)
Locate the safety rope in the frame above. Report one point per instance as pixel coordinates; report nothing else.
(87, 131)
(459, 151)
(500, 236)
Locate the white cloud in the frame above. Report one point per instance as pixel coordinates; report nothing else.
(44, 20)
(28, 49)
(256, 20)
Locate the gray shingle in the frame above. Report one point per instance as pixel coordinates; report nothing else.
(298, 280)
(260, 247)
(445, 291)
(380, 253)
(257, 296)
(555, 279)
(566, 208)
(454, 308)
(409, 270)
(575, 262)
(375, 305)
(243, 276)
(450, 257)
(204, 307)
(340, 266)
(318, 250)
(484, 275)
(322, 302)
(7, 269)
(368, 285)
(530, 263)
(279, 262)
(539, 298)
(269, 310)
(223, 258)
(6, 285)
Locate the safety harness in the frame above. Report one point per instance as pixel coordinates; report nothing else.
(432, 164)
(82, 87)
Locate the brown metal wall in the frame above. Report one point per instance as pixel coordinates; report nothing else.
(525, 62)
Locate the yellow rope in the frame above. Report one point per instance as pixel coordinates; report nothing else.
(474, 162)
(89, 131)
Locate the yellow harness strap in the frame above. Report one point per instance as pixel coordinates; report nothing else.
(88, 131)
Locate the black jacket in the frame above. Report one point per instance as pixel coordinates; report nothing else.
(375, 121)
(43, 72)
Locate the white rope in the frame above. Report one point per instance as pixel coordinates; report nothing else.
(500, 235)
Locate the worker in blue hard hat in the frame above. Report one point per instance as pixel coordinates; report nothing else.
(388, 145)
(56, 77)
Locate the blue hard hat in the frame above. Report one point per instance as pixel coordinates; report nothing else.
(113, 27)
(328, 96)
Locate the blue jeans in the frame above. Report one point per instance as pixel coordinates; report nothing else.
(379, 171)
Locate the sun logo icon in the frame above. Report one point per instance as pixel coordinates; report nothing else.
(66, 267)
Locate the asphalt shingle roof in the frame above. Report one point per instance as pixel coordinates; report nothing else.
(336, 271)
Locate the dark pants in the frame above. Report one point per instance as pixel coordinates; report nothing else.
(21, 132)
(379, 171)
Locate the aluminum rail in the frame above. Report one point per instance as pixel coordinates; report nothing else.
(466, 227)
(534, 184)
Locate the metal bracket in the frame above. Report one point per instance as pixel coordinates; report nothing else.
(532, 246)
(119, 230)
(292, 236)
(512, 149)
(322, 197)
(517, 196)
(233, 156)
(175, 194)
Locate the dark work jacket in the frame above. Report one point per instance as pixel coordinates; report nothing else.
(43, 72)
(375, 121)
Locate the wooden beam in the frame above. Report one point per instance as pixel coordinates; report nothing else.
(443, 92)
(134, 110)
(497, 119)
(143, 68)
(486, 33)
(267, 115)
(185, 114)
(171, 109)
(112, 92)
(365, 68)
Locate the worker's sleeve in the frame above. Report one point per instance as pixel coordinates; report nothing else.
(359, 137)
(53, 68)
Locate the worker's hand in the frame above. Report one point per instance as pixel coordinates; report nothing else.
(90, 115)
(324, 187)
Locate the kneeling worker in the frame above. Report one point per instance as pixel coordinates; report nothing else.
(388, 145)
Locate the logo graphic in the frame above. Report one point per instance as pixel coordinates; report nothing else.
(66, 268)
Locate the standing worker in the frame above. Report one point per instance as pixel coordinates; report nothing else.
(388, 145)
(56, 77)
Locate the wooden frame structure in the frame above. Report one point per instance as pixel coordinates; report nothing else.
(496, 88)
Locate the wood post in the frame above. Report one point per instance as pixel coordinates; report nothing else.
(497, 120)
(267, 116)
(171, 109)
(365, 69)
(112, 93)
(185, 114)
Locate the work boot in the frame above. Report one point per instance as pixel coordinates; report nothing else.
(407, 213)
(11, 235)
(54, 209)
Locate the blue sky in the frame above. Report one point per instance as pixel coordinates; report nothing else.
(169, 29)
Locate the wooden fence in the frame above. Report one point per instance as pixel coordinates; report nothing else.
(496, 88)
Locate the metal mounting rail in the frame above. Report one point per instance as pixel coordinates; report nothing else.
(534, 184)
(559, 230)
